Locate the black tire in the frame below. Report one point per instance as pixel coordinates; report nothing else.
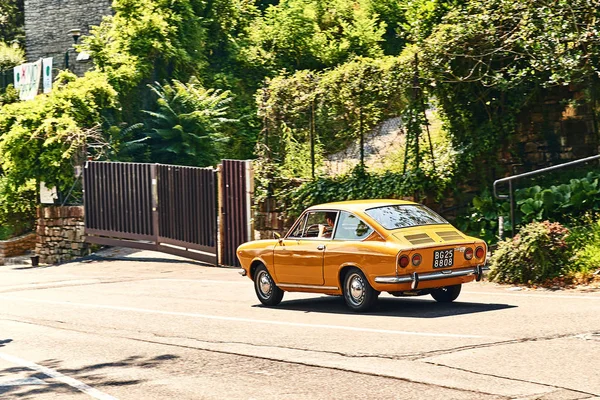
(446, 294)
(267, 292)
(358, 293)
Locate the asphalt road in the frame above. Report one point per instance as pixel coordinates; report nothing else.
(143, 325)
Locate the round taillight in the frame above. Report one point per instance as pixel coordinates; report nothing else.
(416, 260)
(468, 253)
(403, 261)
(479, 252)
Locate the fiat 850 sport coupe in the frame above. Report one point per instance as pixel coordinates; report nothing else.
(359, 249)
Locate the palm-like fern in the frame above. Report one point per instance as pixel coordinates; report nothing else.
(185, 129)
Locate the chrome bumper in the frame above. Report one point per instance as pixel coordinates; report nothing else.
(415, 277)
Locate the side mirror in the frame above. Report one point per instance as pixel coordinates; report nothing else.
(276, 235)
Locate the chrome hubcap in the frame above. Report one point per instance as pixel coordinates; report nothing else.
(356, 289)
(265, 284)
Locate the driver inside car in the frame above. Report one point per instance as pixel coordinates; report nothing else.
(326, 230)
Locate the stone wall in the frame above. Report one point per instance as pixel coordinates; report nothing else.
(16, 246)
(60, 234)
(561, 126)
(47, 23)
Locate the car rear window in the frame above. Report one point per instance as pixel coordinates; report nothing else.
(404, 216)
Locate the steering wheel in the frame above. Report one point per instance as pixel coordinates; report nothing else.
(312, 231)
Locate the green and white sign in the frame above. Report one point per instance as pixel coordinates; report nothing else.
(47, 74)
(27, 79)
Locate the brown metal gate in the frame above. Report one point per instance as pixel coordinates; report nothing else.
(169, 208)
(150, 206)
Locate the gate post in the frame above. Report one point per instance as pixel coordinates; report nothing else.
(154, 201)
(235, 198)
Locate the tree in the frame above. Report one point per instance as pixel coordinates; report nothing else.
(10, 56)
(313, 34)
(185, 129)
(11, 20)
(42, 139)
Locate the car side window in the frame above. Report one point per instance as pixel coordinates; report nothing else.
(320, 224)
(350, 227)
(299, 228)
(315, 224)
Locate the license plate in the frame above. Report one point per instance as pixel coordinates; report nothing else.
(443, 258)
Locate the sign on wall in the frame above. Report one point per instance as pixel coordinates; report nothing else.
(27, 79)
(47, 74)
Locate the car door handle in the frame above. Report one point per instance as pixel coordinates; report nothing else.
(321, 247)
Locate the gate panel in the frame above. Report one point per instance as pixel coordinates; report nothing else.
(154, 207)
(120, 194)
(187, 207)
(236, 186)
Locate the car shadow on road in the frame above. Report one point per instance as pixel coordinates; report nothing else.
(98, 376)
(392, 307)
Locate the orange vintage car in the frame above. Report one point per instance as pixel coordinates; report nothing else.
(359, 249)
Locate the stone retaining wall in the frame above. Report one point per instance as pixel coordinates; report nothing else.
(16, 246)
(60, 234)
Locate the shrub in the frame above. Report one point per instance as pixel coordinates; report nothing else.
(538, 253)
(585, 240)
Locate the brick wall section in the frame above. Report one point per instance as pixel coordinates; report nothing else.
(60, 234)
(47, 23)
(16, 246)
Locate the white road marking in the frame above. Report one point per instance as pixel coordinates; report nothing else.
(50, 285)
(238, 319)
(22, 382)
(82, 387)
(548, 296)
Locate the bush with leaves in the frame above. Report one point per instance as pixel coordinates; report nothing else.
(10, 56)
(186, 127)
(361, 184)
(538, 253)
(42, 138)
(559, 203)
(309, 34)
(585, 240)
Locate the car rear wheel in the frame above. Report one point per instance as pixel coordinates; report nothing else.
(358, 293)
(446, 294)
(267, 292)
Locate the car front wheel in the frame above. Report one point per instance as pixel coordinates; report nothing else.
(446, 294)
(266, 290)
(358, 293)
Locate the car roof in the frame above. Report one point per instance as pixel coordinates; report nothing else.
(359, 205)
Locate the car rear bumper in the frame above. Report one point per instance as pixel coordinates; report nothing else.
(416, 277)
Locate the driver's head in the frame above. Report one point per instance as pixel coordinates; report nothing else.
(330, 217)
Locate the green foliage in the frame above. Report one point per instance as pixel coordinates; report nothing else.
(157, 38)
(186, 127)
(556, 203)
(490, 60)
(41, 138)
(585, 240)
(538, 253)
(10, 56)
(313, 34)
(17, 207)
(9, 96)
(12, 20)
(338, 106)
(360, 184)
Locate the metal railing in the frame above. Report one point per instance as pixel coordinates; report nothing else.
(6, 78)
(510, 179)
